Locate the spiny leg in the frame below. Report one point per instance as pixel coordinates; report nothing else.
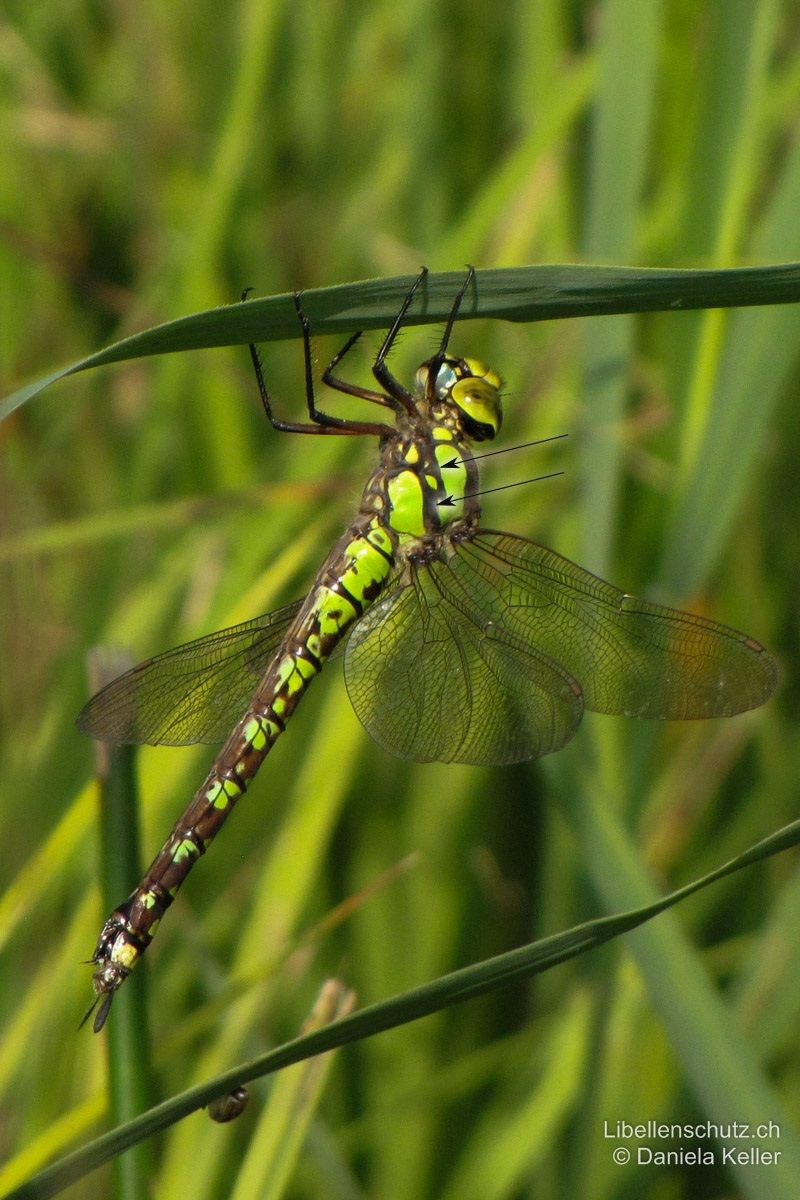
(451, 320)
(323, 424)
(397, 396)
(324, 420)
(437, 360)
(352, 389)
(379, 368)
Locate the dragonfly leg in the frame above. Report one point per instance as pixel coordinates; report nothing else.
(341, 385)
(451, 320)
(380, 368)
(437, 360)
(324, 420)
(323, 424)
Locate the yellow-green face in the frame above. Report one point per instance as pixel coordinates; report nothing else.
(471, 387)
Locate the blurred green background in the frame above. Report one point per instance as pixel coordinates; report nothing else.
(155, 160)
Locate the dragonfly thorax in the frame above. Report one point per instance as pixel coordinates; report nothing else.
(467, 385)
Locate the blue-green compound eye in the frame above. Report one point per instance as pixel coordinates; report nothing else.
(445, 380)
(446, 376)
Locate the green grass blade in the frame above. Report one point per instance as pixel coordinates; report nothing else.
(724, 1075)
(755, 364)
(510, 294)
(284, 1122)
(516, 1143)
(465, 984)
(120, 865)
(618, 160)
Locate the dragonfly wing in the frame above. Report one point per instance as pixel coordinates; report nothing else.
(630, 656)
(194, 693)
(432, 678)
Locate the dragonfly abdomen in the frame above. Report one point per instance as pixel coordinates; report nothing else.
(352, 578)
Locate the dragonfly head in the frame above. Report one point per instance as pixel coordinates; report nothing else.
(470, 386)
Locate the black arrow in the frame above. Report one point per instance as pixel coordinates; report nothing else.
(449, 501)
(454, 462)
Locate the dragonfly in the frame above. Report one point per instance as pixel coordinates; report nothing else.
(460, 643)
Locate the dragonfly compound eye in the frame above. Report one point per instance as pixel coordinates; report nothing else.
(478, 399)
(447, 374)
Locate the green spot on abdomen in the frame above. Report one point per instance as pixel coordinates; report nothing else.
(255, 733)
(379, 537)
(367, 571)
(126, 954)
(294, 672)
(222, 792)
(185, 849)
(334, 612)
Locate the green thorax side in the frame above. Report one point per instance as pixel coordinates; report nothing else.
(428, 460)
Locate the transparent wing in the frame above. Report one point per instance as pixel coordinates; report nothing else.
(630, 657)
(194, 693)
(434, 677)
